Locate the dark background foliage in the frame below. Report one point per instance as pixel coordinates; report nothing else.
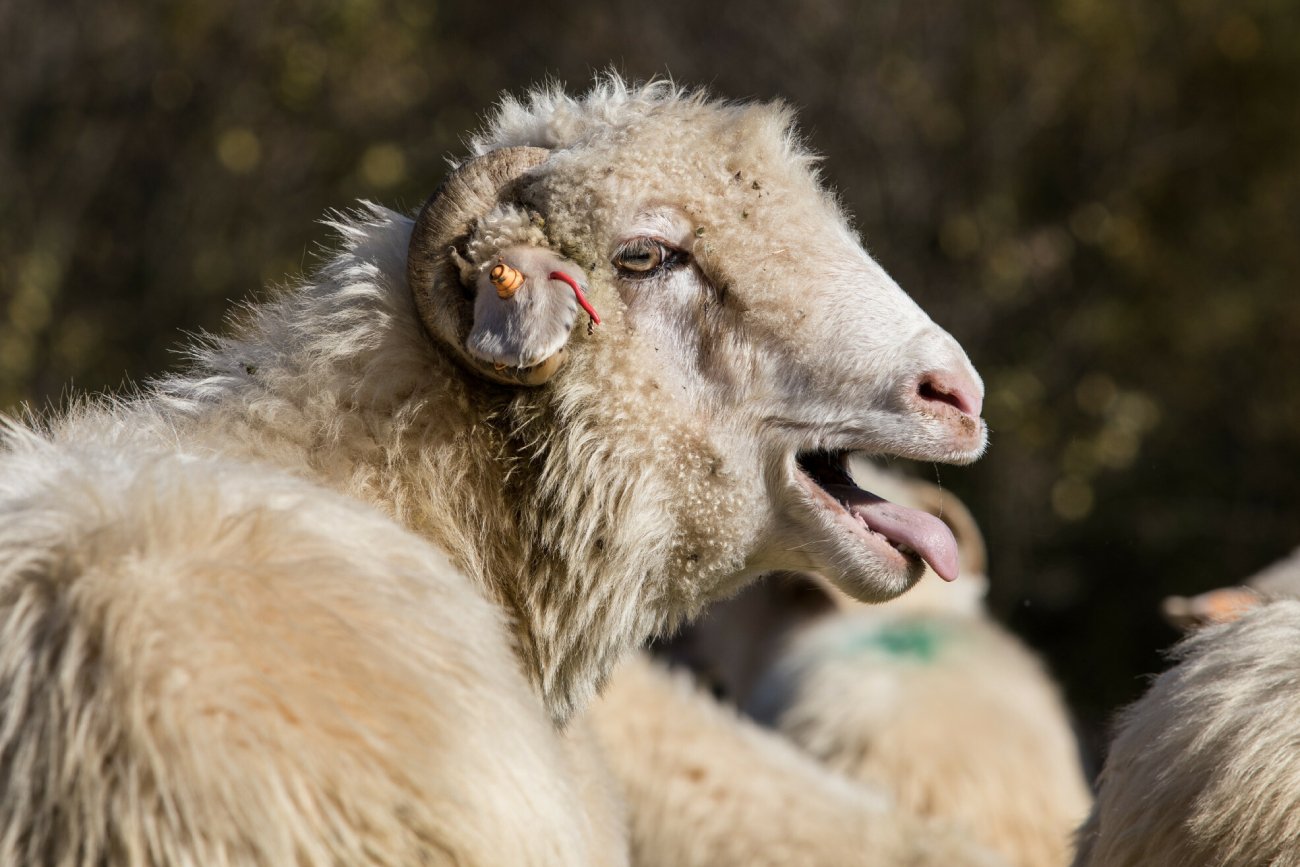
(1101, 201)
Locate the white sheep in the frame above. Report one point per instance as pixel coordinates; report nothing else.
(332, 595)
(1201, 769)
(924, 697)
(1204, 769)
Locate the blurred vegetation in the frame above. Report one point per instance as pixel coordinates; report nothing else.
(1101, 201)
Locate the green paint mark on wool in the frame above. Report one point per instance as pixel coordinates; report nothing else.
(913, 639)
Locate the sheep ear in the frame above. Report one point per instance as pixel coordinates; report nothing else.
(452, 312)
(522, 315)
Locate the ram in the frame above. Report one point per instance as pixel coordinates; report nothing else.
(332, 595)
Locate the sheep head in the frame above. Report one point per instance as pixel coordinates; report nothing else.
(750, 344)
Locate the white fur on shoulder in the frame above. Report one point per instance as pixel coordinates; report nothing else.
(949, 713)
(169, 619)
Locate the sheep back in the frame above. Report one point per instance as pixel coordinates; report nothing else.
(204, 662)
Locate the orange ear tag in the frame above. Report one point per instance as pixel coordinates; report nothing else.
(507, 280)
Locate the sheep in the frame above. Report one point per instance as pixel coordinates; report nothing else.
(336, 593)
(1200, 770)
(1203, 768)
(924, 697)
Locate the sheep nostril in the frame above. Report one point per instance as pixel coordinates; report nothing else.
(952, 389)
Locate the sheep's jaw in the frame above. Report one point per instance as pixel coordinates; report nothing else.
(895, 539)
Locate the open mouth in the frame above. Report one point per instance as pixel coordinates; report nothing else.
(891, 530)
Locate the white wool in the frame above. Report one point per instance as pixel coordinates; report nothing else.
(1203, 768)
(708, 788)
(948, 712)
(209, 663)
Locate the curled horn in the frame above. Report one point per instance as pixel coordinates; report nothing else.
(444, 222)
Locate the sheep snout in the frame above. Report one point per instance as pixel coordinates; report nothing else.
(950, 400)
(952, 388)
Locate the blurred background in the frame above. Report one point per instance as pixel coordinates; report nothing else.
(1100, 200)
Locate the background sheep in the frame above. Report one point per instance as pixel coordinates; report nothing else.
(692, 441)
(1203, 769)
(948, 712)
(925, 697)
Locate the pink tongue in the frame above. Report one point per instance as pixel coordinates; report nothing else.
(925, 534)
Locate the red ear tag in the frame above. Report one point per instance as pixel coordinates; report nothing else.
(582, 299)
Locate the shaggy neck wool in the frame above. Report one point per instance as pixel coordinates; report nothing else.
(339, 380)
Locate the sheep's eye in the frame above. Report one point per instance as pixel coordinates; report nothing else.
(644, 257)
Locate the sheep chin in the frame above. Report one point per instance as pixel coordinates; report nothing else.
(870, 548)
